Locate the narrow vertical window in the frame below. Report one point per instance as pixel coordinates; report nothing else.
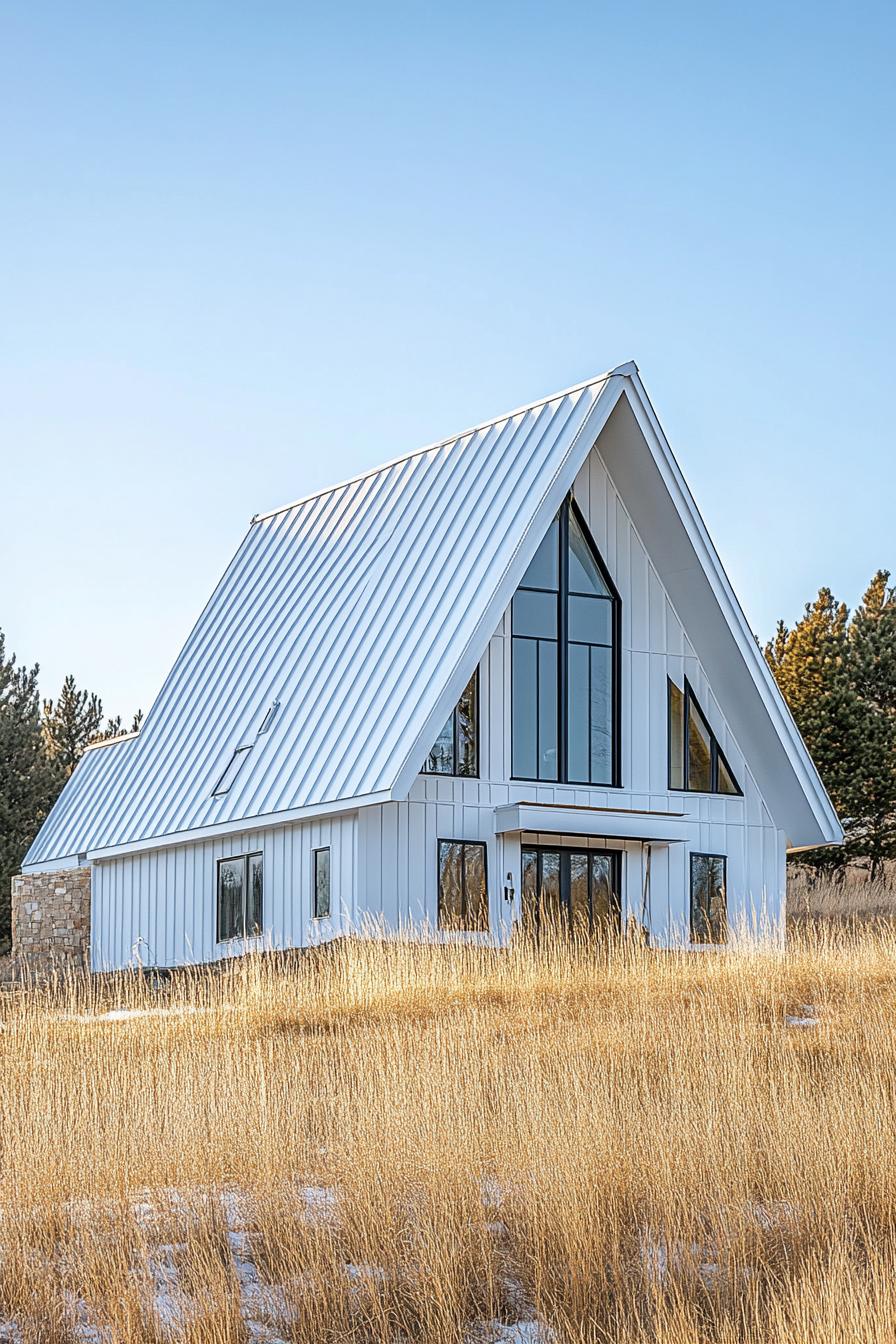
(321, 880)
(254, 895)
(709, 898)
(535, 663)
(565, 680)
(456, 749)
(676, 737)
(463, 887)
(696, 761)
(240, 912)
(591, 635)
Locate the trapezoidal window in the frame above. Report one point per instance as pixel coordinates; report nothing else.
(696, 761)
(456, 749)
(565, 661)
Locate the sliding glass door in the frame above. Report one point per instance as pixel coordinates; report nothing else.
(571, 889)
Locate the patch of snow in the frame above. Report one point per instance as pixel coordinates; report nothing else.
(660, 1257)
(807, 1017)
(521, 1332)
(366, 1273)
(128, 1014)
(778, 1214)
(320, 1203)
(493, 1192)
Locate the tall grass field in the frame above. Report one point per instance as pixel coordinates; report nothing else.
(400, 1144)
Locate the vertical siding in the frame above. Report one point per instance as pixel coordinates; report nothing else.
(160, 907)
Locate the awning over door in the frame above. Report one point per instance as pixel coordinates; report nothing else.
(665, 828)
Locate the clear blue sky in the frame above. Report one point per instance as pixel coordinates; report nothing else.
(246, 250)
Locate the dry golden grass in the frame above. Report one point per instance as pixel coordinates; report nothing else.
(411, 1144)
(849, 900)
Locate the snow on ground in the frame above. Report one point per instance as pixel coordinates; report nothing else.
(521, 1332)
(807, 1017)
(128, 1014)
(170, 1305)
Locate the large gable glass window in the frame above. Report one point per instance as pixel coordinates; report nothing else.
(456, 749)
(463, 889)
(709, 899)
(565, 661)
(240, 897)
(696, 762)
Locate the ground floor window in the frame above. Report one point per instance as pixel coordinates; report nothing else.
(463, 888)
(240, 897)
(709, 898)
(322, 884)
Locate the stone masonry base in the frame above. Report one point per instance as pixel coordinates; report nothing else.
(51, 921)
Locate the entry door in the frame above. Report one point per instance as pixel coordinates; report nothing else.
(574, 889)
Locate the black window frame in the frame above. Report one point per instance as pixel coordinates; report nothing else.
(245, 859)
(565, 853)
(568, 506)
(716, 753)
(464, 844)
(221, 790)
(702, 942)
(454, 774)
(315, 859)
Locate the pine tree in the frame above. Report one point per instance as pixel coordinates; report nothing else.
(838, 676)
(70, 724)
(811, 666)
(28, 780)
(872, 652)
(115, 728)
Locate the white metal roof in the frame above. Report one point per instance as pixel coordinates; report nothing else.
(361, 612)
(351, 608)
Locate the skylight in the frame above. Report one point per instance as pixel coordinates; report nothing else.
(234, 765)
(270, 715)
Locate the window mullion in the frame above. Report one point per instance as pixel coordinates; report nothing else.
(463, 885)
(686, 752)
(563, 650)
(455, 739)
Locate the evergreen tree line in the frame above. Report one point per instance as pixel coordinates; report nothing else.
(837, 671)
(40, 745)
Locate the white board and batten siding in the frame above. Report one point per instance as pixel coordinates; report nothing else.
(397, 842)
(159, 907)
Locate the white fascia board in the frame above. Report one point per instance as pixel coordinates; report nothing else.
(55, 865)
(761, 674)
(650, 827)
(541, 519)
(342, 807)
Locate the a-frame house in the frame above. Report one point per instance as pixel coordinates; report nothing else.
(501, 679)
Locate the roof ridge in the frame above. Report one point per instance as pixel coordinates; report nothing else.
(621, 370)
(111, 741)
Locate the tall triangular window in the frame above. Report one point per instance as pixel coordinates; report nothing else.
(565, 677)
(696, 761)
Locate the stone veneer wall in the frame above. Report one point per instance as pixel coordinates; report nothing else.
(51, 920)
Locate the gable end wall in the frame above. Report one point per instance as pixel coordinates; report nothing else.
(398, 878)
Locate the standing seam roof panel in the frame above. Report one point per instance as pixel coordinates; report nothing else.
(351, 608)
